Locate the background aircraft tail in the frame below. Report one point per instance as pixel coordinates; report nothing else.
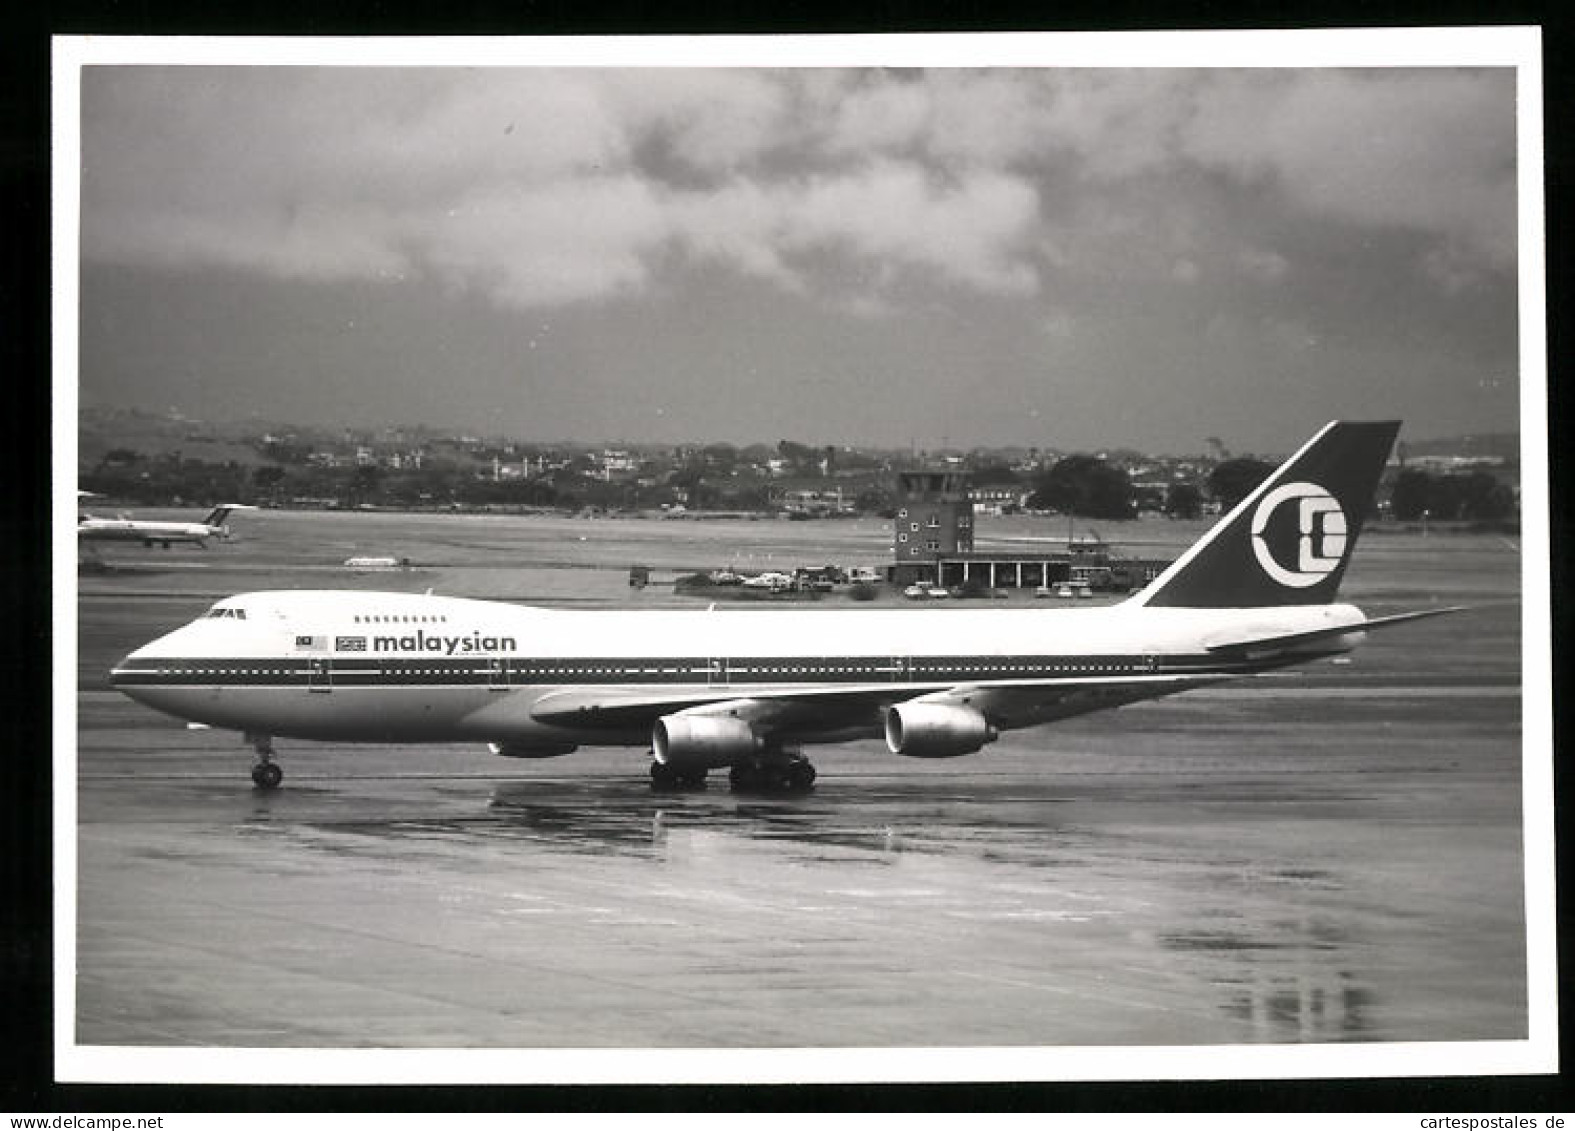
(1289, 541)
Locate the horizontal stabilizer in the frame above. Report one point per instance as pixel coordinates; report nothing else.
(1291, 639)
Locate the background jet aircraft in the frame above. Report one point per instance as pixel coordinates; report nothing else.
(151, 532)
(746, 690)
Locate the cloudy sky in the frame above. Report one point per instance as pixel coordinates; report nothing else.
(997, 255)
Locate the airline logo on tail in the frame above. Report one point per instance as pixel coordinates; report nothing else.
(1320, 538)
(1289, 542)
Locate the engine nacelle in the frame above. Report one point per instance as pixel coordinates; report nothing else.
(527, 750)
(936, 730)
(702, 742)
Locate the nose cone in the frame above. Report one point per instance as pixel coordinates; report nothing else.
(146, 667)
(132, 674)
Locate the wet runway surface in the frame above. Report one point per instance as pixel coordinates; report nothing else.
(1280, 877)
(1328, 855)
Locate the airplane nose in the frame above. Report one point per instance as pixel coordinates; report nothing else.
(130, 674)
(120, 673)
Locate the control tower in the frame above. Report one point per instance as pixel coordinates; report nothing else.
(934, 516)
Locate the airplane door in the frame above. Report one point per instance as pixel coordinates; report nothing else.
(716, 672)
(498, 674)
(320, 676)
(899, 669)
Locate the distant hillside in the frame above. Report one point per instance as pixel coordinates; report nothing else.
(153, 434)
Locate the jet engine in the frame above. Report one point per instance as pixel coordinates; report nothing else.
(536, 750)
(936, 730)
(702, 742)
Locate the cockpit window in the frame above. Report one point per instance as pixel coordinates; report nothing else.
(226, 611)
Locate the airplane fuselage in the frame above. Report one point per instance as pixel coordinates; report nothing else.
(392, 667)
(147, 532)
(747, 689)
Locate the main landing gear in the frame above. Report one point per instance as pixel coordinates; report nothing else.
(793, 774)
(266, 774)
(772, 772)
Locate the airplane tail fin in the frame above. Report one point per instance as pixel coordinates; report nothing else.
(217, 515)
(1289, 541)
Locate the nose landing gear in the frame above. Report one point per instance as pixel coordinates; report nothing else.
(266, 774)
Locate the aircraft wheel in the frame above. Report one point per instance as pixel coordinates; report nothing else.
(801, 776)
(797, 776)
(267, 775)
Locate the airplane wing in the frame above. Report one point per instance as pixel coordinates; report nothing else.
(785, 708)
(1286, 640)
(1015, 702)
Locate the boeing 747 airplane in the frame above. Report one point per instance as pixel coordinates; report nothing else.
(747, 690)
(150, 532)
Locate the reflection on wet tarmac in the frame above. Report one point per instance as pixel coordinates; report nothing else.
(1163, 885)
(1016, 854)
(1317, 1007)
(584, 818)
(1286, 981)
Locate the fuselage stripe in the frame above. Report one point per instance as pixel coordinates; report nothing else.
(515, 671)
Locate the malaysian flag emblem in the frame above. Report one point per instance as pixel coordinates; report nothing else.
(350, 643)
(311, 642)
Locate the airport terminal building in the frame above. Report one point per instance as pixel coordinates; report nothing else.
(933, 540)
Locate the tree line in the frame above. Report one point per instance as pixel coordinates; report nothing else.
(1081, 485)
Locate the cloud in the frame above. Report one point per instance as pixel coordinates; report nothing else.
(880, 116)
(559, 185)
(1262, 265)
(544, 244)
(972, 232)
(1429, 151)
(1058, 324)
(715, 122)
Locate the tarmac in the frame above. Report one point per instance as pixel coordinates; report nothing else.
(1326, 856)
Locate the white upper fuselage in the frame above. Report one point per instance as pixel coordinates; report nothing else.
(404, 667)
(414, 624)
